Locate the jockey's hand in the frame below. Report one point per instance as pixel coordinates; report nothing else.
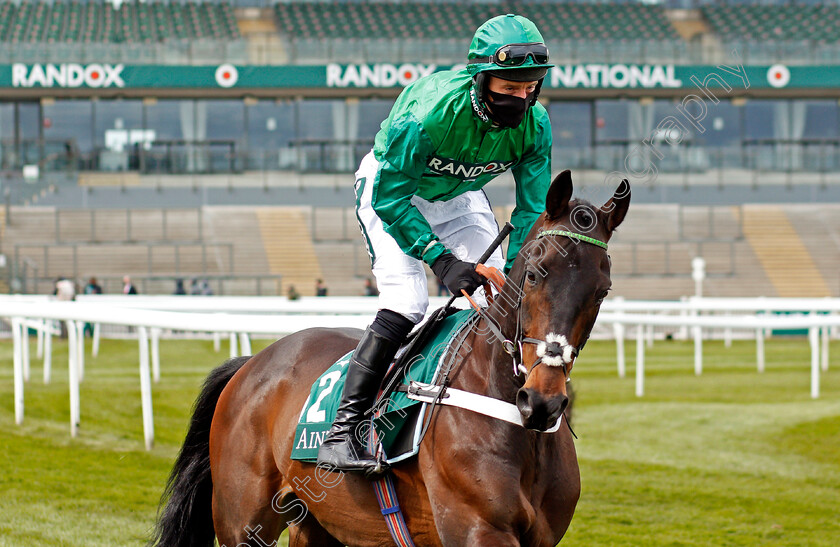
(457, 274)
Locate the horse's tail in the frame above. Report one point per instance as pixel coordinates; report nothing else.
(185, 517)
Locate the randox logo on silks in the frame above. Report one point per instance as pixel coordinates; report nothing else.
(67, 75)
(378, 75)
(465, 171)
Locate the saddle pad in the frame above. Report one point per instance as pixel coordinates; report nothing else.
(320, 407)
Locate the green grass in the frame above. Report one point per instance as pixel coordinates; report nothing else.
(732, 457)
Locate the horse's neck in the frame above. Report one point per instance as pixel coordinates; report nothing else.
(490, 371)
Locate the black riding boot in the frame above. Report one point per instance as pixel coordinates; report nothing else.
(342, 450)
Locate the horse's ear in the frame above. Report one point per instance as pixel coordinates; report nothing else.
(559, 194)
(615, 209)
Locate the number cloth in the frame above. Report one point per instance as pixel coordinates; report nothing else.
(325, 396)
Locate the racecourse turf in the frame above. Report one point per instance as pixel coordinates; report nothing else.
(732, 457)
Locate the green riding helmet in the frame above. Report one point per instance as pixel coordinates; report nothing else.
(508, 47)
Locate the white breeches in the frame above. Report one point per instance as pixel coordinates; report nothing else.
(465, 225)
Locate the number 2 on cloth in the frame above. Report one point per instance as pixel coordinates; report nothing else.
(314, 414)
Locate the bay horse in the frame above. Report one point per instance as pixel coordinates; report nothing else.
(475, 481)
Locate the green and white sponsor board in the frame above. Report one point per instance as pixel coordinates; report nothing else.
(598, 76)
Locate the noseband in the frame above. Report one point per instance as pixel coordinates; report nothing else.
(555, 349)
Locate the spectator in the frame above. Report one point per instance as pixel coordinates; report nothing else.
(179, 287)
(320, 288)
(370, 288)
(128, 286)
(92, 287)
(65, 290)
(291, 293)
(195, 287)
(205, 288)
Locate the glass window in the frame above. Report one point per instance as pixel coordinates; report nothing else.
(225, 119)
(271, 125)
(759, 117)
(316, 118)
(28, 120)
(114, 122)
(723, 125)
(612, 120)
(371, 115)
(70, 121)
(168, 117)
(7, 121)
(822, 120)
(571, 123)
(168, 121)
(7, 135)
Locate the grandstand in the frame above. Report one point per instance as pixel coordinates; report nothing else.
(755, 250)
(131, 21)
(218, 122)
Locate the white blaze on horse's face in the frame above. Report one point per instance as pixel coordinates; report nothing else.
(556, 360)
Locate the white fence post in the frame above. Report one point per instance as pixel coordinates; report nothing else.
(824, 352)
(39, 351)
(244, 344)
(80, 347)
(18, 368)
(759, 349)
(640, 361)
(813, 337)
(233, 351)
(94, 345)
(698, 351)
(155, 334)
(146, 388)
(621, 359)
(73, 369)
(47, 351)
(24, 347)
(618, 333)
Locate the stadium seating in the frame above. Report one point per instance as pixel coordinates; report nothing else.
(7, 14)
(99, 21)
(20, 22)
(452, 20)
(793, 22)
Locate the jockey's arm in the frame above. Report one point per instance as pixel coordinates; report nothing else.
(400, 168)
(533, 177)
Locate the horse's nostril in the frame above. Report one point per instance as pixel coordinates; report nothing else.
(523, 403)
(563, 404)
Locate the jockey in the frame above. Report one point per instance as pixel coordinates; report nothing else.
(419, 199)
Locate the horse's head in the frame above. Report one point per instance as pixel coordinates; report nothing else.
(563, 271)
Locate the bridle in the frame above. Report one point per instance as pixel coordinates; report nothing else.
(555, 347)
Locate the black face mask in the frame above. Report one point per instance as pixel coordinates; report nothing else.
(507, 110)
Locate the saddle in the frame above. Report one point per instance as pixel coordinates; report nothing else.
(398, 422)
(397, 418)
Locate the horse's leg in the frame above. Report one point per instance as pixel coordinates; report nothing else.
(244, 512)
(309, 533)
(246, 482)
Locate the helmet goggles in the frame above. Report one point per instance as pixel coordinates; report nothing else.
(513, 55)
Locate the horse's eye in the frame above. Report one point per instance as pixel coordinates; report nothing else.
(530, 277)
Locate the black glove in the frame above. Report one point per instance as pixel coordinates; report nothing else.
(457, 274)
